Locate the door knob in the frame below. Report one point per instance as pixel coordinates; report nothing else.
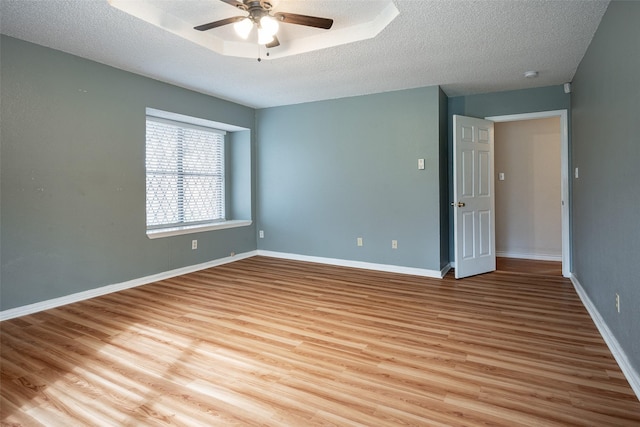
(458, 204)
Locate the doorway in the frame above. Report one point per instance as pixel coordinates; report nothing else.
(532, 209)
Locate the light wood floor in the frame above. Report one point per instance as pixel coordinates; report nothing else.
(272, 342)
(527, 266)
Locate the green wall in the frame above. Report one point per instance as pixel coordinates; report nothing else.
(332, 171)
(606, 196)
(444, 178)
(510, 102)
(73, 176)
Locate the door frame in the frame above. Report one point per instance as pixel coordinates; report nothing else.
(564, 172)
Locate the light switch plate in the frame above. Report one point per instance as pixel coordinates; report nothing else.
(420, 164)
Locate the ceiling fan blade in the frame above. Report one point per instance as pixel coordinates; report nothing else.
(274, 43)
(236, 3)
(215, 24)
(309, 21)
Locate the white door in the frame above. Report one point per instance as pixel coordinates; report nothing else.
(473, 192)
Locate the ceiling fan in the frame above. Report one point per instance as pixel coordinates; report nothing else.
(261, 17)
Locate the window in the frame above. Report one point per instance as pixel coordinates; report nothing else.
(185, 174)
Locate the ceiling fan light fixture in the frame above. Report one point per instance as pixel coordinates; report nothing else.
(243, 28)
(269, 24)
(264, 37)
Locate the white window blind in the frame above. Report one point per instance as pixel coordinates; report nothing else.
(185, 174)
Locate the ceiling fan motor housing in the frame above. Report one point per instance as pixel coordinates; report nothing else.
(256, 9)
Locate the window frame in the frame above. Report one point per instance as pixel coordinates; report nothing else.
(173, 229)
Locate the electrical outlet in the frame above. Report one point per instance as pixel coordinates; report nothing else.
(359, 241)
(194, 244)
(618, 302)
(394, 244)
(261, 233)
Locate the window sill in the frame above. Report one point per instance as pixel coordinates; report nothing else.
(188, 229)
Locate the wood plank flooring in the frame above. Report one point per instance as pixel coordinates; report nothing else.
(280, 343)
(527, 266)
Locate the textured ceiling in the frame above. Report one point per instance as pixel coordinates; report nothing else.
(352, 22)
(466, 47)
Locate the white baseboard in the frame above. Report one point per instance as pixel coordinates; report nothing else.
(92, 293)
(618, 353)
(445, 270)
(438, 274)
(537, 257)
